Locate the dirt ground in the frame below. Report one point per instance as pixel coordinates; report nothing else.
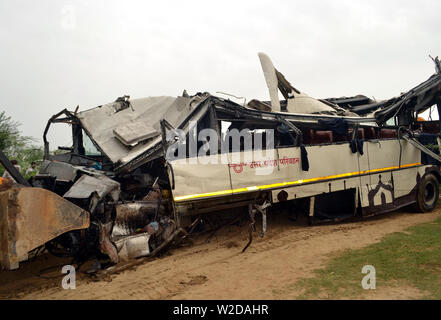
(216, 269)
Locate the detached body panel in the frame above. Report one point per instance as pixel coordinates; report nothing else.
(30, 217)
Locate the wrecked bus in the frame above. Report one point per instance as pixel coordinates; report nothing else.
(143, 170)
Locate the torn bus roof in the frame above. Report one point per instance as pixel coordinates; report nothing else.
(295, 101)
(125, 129)
(415, 100)
(128, 131)
(405, 106)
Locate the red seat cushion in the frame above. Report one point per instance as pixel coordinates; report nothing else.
(322, 137)
(388, 133)
(369, 133)
(307, 135)
(430, 127)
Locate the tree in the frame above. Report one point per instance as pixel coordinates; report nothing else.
(17, 146)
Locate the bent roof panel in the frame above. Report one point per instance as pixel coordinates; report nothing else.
(100, 122)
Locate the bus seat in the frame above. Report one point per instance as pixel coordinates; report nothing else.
(307, 136)
(370, 133)
(322, 137)
(430, 127)
(387, 133)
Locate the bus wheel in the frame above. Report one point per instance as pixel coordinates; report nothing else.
(428, 193)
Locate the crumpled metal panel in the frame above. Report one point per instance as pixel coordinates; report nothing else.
(134, 132)
(30, 217)
(133, 246)
(101, 122)
(417, 99)
(86, 185)
(62, 171)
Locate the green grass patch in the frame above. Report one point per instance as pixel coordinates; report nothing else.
(410, 258)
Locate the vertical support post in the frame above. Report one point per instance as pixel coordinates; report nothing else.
(263, 223)
(214, 124)
(311, 210)
(77, 137)
(251, 212)
(438, 107)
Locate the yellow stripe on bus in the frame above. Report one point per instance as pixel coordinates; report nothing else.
(284, 184)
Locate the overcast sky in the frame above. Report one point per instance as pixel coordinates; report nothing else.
(59, 54)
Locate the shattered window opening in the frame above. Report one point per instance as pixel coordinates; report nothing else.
(89, 146)
(56, 131)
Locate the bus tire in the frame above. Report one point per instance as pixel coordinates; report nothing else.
(428, 193)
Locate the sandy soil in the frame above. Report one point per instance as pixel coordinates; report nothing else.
(217, 269)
